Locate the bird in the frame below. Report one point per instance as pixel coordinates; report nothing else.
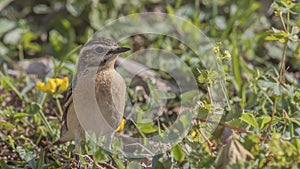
(99, 54)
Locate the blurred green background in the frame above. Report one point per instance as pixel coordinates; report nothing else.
(53, 30)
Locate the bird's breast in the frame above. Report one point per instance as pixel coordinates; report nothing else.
(110, 91)
(104, 79)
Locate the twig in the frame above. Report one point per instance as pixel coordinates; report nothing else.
(229, 126)
(205, 138)
(105, 165)
(282, 63)
(272, 116)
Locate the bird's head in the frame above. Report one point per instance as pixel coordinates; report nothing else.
(100, 52)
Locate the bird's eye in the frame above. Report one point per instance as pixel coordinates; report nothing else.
(99, 50)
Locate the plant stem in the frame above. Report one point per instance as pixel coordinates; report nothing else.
(61, 63)
(292, 133)
(288, 21)
(282, 21)
(281, 70)
(57, 69)
(59, 106)
(272, 116)
(21, 52)
(5, 79)
(42, 116)
(46, 123)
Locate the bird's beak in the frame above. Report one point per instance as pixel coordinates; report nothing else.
(119, 50)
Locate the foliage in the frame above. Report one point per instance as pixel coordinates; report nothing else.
(257, 44)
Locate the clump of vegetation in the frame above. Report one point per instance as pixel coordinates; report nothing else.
(257, 45)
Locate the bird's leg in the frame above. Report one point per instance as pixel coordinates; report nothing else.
(78, 156)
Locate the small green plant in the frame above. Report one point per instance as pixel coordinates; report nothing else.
(259, 54)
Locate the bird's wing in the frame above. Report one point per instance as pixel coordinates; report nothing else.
(66, 106)
(64, 127)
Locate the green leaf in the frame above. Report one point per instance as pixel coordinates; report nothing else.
(13, 37)
(41, 9)
(6, 82)
(20, 115)
(158, 165)
(41, 160)
(33, 108)
(296, 142)
(263, 121)
(119, 164)
(134, 165)
(297, 97)
(75, 7)
(164, 95)
(185, 119)
(285, 6)
(236, 62)
(99, 154)
(147, 127)
(249, 119)
(28, 39)
(178, 153)
(155, 161)
(57, 40)
(27, 154)
(277, 90)
(201, 78)
(36, 108)
(11, 141)
(293, 37)
(187, 96)
(295, 30)
(7, 125)
(253, 138)
(6, 25)
(95, 18)
(3, 165)
(295, 121)
(277, 35)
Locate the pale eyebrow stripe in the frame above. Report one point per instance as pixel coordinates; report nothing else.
(92, 43)
(86, 47)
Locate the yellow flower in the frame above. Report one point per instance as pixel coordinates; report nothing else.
(40, 86)
(217, 49)
(227, 55)
(121, 126)
(193, 133)
(53, 86)
(63, 84)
